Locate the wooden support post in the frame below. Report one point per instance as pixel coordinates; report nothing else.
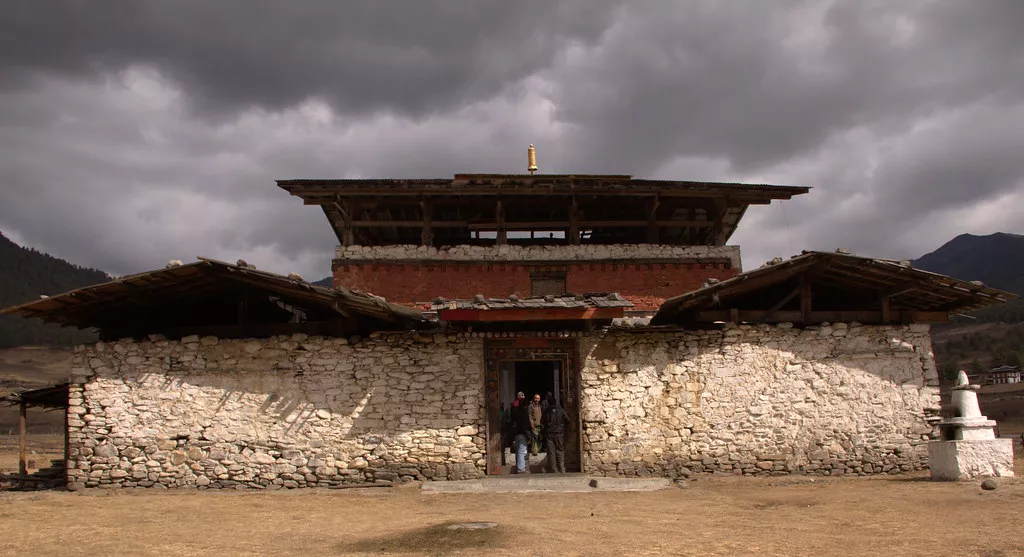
(689, 235)
(771, 311)
(243, 305)
(345, 210)
(805, 299)
(22, 415)
(734, 315)
(718, 208)
(574, 223)
(652, 220)
(499, 217)
(886, 310)
(427, 235)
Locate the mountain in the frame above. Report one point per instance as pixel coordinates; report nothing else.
(25, 274)
(989, 337)
(996, 259)
(326, 282)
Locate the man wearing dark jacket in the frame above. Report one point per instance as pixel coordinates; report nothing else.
(555, 423)
(521, 431)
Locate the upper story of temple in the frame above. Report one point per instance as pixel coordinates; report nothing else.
(413, 240)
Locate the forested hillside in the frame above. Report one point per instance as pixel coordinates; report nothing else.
(25, 274)
(990, 337)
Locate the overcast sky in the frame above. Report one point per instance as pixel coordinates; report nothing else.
(132, 133)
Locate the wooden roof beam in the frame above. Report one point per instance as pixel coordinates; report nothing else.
(843, 316)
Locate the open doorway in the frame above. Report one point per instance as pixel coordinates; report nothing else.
(536, 379)
(531, 377)
(535, 369)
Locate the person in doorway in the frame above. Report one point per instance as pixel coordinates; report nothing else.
(536, 416)
(519, 416)
(547, 401)
(555, 423)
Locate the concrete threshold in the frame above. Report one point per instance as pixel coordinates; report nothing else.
(557, 483)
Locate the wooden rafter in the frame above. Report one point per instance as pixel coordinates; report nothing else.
(888, 291)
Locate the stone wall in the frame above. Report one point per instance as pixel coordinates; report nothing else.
(282, 412)
(514, 253)
(307, 411)
(759, 400)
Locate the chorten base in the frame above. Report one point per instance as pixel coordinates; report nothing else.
(969, 459)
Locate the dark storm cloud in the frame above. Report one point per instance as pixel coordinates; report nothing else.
(764, 84)
(412, 58)
(136, 132)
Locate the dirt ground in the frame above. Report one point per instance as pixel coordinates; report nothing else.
(712, 516)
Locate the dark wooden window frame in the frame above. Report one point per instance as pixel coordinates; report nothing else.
(549, 277)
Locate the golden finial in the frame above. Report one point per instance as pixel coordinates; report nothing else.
(531, 155)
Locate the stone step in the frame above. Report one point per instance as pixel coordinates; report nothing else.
(547, 482)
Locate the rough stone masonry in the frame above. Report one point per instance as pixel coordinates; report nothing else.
(283, 412)
(760, 399)
(514, 253)
(307, 411)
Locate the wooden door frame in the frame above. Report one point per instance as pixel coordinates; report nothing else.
(529, 349)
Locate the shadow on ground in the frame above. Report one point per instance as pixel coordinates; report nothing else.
(432, 540)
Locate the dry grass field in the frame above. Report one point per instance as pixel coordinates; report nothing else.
(40, 449)
(31, 368)
(712, 516)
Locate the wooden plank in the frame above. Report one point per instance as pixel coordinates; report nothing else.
(840, 316)
(748, 283)
(258, 330)
(788, 298)
(805, 299)
(492, 397)
(409, 224)
(344, 211)
(499, 216)
(524, 314)
(22, 418)
(574, 225)
(554, 225)
(323, 195)
(902, 288)
(243, 305)
(427, 234)
(886, 310)
(652, 220)
(333, 222)
(718, 209)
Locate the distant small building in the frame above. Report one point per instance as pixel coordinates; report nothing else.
(1001, 375)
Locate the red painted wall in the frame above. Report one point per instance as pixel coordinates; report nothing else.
(647, 285)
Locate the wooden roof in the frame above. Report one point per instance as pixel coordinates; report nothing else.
(211, 293)
(54, 396)
(820, 286)
(531, 184)
(586, 208)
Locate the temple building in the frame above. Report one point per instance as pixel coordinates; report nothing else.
(619, 296)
